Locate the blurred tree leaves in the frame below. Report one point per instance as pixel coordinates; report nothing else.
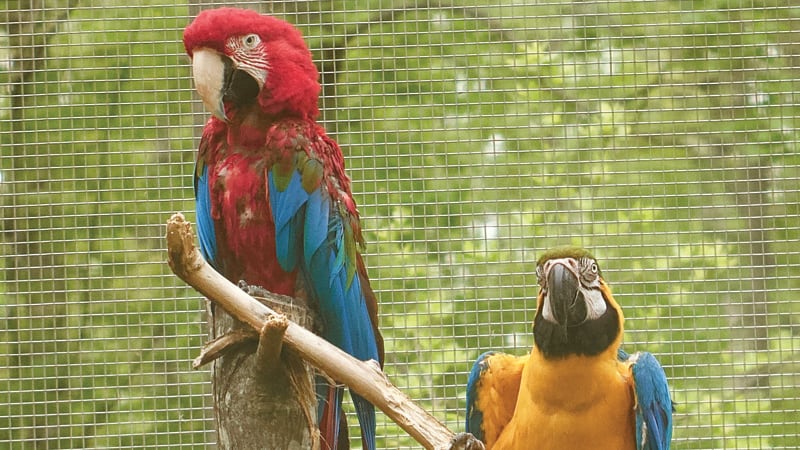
(660, 134)
(654, 133)
(95, 119)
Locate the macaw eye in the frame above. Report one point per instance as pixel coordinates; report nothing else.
(251, 40)
(589, 270)
(589, 266)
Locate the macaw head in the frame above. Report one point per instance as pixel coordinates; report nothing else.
(576, 313)
(241, 58)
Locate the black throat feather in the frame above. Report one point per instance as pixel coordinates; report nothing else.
(240, 88)
(589, 338)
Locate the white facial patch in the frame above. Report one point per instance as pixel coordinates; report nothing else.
(589, 288)
(547, 310)
(595, 303)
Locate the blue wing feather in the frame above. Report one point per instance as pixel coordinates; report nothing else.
(205, 224)
(337, 244)
(309, 233)
(315, 231)
(286, 206)
(653, 403)
(474, 423)
(363, 338)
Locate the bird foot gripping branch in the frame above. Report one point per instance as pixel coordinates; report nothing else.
(466, 441)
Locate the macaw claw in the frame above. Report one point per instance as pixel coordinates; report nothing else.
(466, 441)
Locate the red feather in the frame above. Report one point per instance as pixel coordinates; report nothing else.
(266, 141)
(292, 84)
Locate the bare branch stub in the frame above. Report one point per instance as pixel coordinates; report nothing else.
(270, 342)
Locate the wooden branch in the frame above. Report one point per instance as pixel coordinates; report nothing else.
(364, 377)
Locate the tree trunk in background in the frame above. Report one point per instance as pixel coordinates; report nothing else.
(750, 186)
(749, 316)
(35, 268)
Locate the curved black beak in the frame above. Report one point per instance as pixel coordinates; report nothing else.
(566, 300)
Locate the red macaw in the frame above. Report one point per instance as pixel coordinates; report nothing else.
(576, 389)
(274, 206)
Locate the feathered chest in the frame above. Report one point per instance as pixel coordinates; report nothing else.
(238, 187)
(245, 230)
(582, 403)
(255, 188)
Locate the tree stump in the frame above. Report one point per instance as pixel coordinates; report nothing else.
(262, 402)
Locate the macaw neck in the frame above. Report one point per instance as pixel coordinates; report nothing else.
(590, 337)
(247, 126)
(246, 136)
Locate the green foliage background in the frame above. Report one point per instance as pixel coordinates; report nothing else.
(661, 134)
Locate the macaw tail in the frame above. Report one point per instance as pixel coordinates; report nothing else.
(366, 418)
(332, 422)
(329, 416)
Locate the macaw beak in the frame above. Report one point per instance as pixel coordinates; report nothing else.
(212, 74)
(565, 300)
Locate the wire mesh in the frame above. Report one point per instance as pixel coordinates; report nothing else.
(662, 135)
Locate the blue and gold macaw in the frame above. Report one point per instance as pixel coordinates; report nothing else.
(576, 389)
